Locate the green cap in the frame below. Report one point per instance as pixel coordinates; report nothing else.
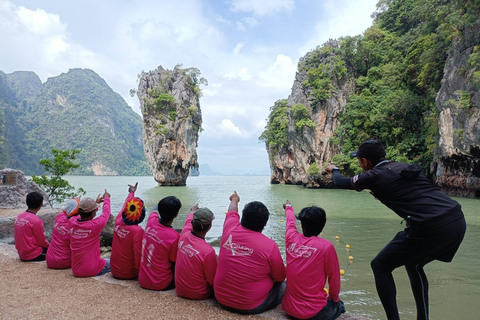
(204, 215)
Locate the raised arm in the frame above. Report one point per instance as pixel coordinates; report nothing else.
(234, 200)
(340, 181)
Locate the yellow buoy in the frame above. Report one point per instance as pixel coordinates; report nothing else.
(281, 220)
(342, 272)
(326, 290)
(350, 258)
(347, 246)
(337, 237)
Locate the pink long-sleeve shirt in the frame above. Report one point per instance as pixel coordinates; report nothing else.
(126, 247)
(85, 244)
(29, 237)
(196, 265)
(159, 251)
(248, 265)
(310, 262)
(59, 255)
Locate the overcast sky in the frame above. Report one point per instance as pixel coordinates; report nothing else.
(248, 51)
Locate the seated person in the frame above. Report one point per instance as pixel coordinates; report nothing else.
(59, 255)
(159, 247)
(127, 238)
(30, 241)
(310, 262)
(250, 270)
(85, 238)
(196, 260)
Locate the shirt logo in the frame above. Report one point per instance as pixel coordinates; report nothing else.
(355, 179)
(237, 249)
(21, 222)
(81, 234)
(301, 252)
(152, 234)
(187, 249)
(61, 229)
(122, 233)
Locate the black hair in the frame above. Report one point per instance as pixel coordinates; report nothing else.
(313, 220)
(255, 216)
(168, 208)
(85, 215)
(198, 226)
(34, 200)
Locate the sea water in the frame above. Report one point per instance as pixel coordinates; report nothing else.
(356, 218)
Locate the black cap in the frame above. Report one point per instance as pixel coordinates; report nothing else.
(370, 149)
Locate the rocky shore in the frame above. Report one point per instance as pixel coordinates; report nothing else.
(31, 290)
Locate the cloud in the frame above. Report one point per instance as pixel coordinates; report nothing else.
(226, 128)
(280, 74)
(241, 74)
(263, 7)
(350, 18)
(246, 23)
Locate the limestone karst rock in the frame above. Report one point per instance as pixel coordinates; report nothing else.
(308, 145)
(458, 101)
(172, 119)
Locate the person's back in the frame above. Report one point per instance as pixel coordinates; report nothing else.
(30, 240)
(196, 260)
(59, 255)
(85, 238)
(127, 238)
(249, 263)
(311, 261)
(159, 247)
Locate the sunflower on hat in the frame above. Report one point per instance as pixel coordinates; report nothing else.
(134, 211)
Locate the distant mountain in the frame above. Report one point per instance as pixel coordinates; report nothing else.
(205, 170)
(75, 110)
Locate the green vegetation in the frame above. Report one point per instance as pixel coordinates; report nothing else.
(76, 110)
(397, 65)
(313, 169)
(275, 134)
(301, 117)
(55, 186)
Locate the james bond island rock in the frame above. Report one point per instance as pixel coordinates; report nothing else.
(299, 128)
(172, 119)
(458, 101)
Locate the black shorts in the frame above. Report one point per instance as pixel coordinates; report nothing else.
(422, 245)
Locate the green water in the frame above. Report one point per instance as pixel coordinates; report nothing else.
(356, 217)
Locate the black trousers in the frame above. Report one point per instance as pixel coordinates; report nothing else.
(414, 248)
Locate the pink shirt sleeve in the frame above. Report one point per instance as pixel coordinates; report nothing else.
(291, 227)
(187, 227)
(103, 219)
(277, 268)
(174, 250)
(210, 267)
(40, 235)
(137, 248)
(332, 269)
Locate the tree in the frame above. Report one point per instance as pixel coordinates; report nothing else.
(55, 186)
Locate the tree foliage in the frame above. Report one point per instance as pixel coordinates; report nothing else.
(57, 188)
(275, 134)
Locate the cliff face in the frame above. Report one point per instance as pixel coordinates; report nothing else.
(172, 118)
(309, 145)
(458, 100)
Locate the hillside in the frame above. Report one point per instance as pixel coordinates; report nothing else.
(411, 80)
(75, 110)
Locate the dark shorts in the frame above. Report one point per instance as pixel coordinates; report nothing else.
(331, 311)
(421, 245)
(273, 299)
(41, 257)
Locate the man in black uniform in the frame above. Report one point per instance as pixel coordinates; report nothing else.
(435, 223)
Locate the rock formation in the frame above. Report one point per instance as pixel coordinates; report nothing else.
(14, 188)
(310, 145)
(458, 101)
(169, 101)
